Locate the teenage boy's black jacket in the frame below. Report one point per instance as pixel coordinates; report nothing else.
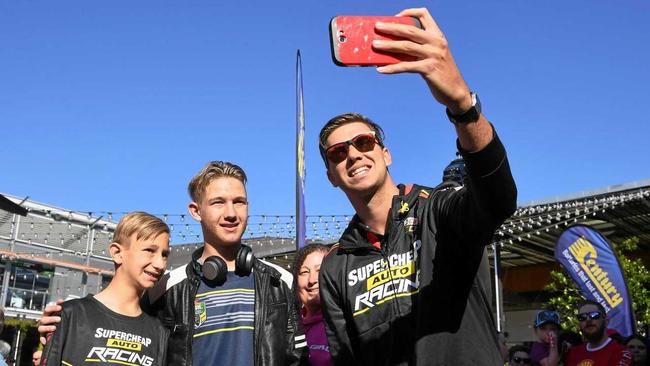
(384, 304)
(278, 336)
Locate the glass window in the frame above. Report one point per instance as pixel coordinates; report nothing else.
(29, 285)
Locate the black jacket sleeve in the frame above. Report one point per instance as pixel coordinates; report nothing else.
(489, 197)
(331, 299)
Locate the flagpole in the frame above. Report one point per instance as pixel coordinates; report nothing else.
(300, 158)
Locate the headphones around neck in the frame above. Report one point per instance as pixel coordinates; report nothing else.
(214, 269)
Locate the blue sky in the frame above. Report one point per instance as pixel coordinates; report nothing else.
(114, 105)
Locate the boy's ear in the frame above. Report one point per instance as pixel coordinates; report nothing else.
(195, 212)
(115, 249)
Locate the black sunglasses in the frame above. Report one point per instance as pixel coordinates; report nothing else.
(521, 360)
(363, 143)
(593, 315)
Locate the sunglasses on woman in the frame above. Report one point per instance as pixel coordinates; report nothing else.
(364, 142)
(593, 315)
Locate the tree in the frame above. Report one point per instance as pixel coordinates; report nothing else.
(567, 296)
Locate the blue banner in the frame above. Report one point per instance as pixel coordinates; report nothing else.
(301, 227)
(590, 260)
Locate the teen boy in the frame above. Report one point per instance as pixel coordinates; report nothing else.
(110, 327)
(249, 315)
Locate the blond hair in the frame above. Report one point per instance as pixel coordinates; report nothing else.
(143, 224)
(211, 171)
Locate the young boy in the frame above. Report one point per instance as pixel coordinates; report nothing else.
(545, 352)
(110, 327)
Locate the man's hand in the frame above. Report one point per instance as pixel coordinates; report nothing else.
(438, 68)
(433, 59)
(47, 322)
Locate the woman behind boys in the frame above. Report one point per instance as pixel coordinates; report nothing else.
(306, 269)
(110, 327)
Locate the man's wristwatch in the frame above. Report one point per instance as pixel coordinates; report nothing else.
(471, 115)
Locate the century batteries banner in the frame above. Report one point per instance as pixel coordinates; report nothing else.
(590, 260)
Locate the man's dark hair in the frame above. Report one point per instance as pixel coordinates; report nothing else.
(595, 303)
(517, 348)
(344, 119)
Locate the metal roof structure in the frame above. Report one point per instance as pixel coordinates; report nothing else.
(55, 235)
(619, 212)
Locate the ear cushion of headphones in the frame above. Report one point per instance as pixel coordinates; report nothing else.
(215, 270)
(244, 261)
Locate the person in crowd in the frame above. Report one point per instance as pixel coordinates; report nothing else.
(306, 269)
(403, 269)
(111, 326)
(5, 351)
(519, 355)
(36, 356)
(3, 358)
(600, 350)
(638, 346)
(503, 345)
(545, 351)
(225, 306)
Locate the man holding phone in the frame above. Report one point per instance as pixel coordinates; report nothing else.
(395, 288)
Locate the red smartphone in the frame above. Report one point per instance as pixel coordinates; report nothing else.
(351, 40)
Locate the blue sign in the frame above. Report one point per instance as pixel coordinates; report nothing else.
(590, 260)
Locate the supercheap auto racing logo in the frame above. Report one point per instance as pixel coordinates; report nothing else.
(385, 279)
(121, 348)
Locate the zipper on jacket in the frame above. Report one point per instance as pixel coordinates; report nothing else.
(194, 289)
(258, 309)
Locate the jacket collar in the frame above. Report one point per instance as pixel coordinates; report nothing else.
(355, 235)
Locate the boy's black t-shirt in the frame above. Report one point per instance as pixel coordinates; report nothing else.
(92, 334)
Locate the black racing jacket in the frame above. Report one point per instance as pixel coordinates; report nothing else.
(278, 336)
(386, 298)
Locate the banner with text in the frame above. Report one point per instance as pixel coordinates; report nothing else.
(590, 260)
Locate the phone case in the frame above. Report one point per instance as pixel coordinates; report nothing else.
(351, 40)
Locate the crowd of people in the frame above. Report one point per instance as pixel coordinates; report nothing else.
(598, 344)
(405, 284)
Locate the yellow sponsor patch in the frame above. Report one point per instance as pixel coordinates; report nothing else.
(404, 208)
(118, 343)
(391, 274)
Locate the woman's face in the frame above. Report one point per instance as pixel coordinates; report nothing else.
(638, 349)
(308, 280)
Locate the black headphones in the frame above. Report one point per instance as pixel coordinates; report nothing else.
(214, 269)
